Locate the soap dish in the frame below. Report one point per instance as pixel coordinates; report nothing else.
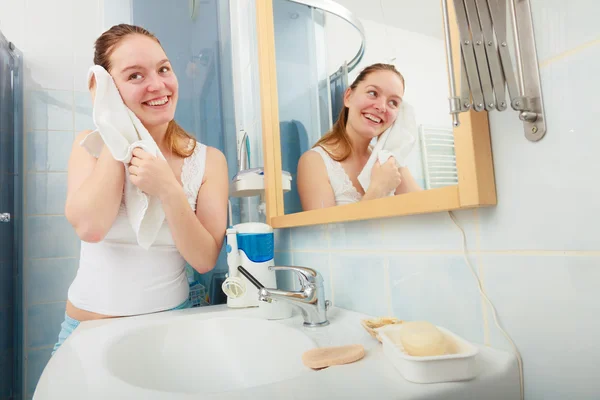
(459, 366)
(373, 324)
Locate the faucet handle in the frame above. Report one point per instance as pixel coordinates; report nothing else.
(306, 275)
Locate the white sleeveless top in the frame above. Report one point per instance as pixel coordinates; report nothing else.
(118, 277)
(343, 189)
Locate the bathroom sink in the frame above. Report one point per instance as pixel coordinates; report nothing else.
(210, 355)
(217, 353)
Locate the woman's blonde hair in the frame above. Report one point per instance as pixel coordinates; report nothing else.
(337, 138)
(104, 47)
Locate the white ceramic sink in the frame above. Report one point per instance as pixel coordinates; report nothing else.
(211, 355)
(216, 353)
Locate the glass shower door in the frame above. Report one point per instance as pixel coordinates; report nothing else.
(10, 218)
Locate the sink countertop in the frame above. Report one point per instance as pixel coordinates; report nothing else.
(78, 371)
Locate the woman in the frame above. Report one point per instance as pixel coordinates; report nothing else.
(328, 173)
(117, 277)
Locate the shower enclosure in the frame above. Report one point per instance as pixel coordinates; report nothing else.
(11, 218)
(312, 74)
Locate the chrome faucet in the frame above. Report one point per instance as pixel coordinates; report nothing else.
(310, 299)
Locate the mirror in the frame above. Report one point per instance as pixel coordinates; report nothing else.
(396, 113)
(313, 49)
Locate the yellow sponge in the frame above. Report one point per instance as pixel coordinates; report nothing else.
(328, 356)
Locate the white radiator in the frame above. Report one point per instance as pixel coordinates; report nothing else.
(439, 159)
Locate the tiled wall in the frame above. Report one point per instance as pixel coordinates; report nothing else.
(56, 39)
(537, 251)
(58, 50)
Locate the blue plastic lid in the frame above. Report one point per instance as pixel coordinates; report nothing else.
(258, 247)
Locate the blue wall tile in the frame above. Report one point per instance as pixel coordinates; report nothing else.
(439, 289)
(310, 237)
(36, 151)
(46, 193)
(50, 236)
(43, 323)
(429, 232)
(285, 279)
(549, 306)
(59, 150)
(49, 110)
(351, 235)
(359, 282)
(49, 279)
(48, 150)
(282, 239)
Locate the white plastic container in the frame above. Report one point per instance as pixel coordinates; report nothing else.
(460, 366)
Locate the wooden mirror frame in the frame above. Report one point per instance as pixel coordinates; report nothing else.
(476, 186)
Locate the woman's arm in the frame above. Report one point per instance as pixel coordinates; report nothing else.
(408, 184)
(95, 189)
(313, 184)
(199, 236)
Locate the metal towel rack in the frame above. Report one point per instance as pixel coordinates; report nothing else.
(486, 68)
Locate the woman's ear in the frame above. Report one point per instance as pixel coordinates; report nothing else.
(347, 95)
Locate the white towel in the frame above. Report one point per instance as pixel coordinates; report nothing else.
(397, 141)
(122, 131)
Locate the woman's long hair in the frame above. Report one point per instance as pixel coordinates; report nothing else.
(337, 138)
(104, 47)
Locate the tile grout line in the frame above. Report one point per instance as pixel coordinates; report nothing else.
(387, 286)
(547, 253)
(47, 303)
(480, 271)
(570, 52)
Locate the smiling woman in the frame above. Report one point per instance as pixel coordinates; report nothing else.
(328, 174)
(117, 276)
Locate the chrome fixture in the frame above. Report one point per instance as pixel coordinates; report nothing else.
(310, 299)
(486, 68)
(4, 217)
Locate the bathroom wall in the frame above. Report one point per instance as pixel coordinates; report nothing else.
(199, 48)
(56, 38)
(537, 251)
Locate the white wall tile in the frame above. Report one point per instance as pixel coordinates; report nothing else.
(48, 48)
(549, 306)
(560, 25)
(428, 232)
(350, 235)
(547, 192)
(359, 282)
(437, 288)
(87, 26)
(115, 12)
(49, 110)
(12, 21)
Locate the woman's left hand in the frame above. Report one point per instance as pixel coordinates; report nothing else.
(151, 174)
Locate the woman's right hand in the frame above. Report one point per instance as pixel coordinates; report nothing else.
(385, 178)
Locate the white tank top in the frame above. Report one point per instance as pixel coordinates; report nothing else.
(118, 277)
(343, 189)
